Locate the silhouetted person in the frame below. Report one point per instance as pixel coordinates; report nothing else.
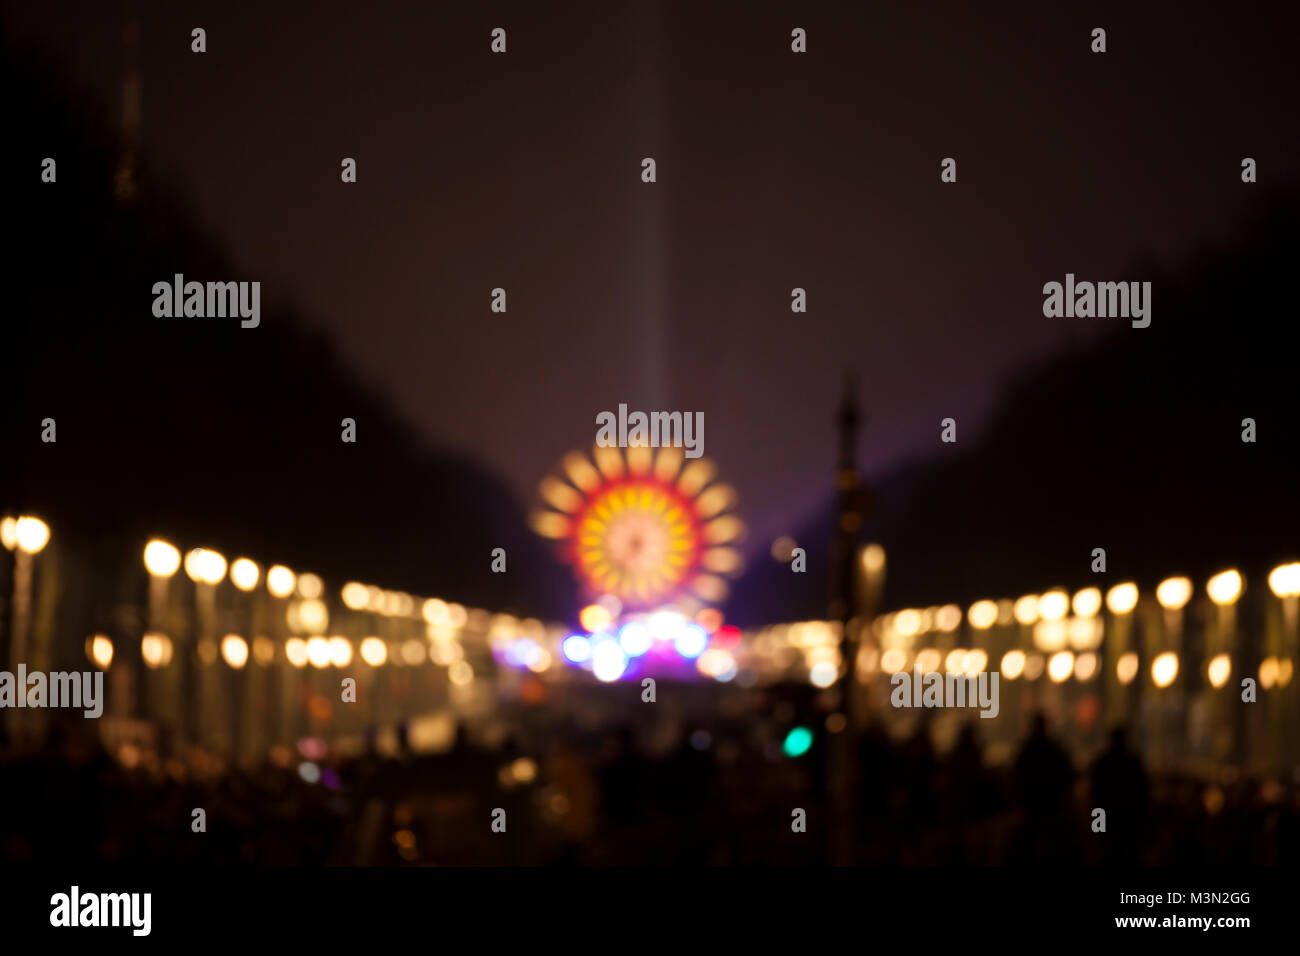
(1119, 786)
(878, 766)
(621, 782)
(461, 744)
(965, 761)
(918, 768)
(963, 774)
(1043, 772)
(1043, 777)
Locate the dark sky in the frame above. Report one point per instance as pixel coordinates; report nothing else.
(775, 170)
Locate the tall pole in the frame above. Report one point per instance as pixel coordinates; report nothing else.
(848, 521)
(841, 764)
(22, 612)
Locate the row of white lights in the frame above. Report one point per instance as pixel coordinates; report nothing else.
(30, 535)
(1223, 589)
(323, 652)
(319, 652)
(1063, 665)
(206, 566)
(162, 559)
(1051, 608)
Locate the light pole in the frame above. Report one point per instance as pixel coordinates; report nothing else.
(162, 560)
(1222, 646)
(1173, 595)
(206, 569)
(841, 763)
(30, 536)
(1284, 582)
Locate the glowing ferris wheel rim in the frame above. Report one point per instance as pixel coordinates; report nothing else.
(645, 525)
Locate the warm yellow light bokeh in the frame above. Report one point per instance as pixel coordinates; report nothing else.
(374, 651)
(1060, 666)
(101, 651)
(1122, 598)
(280, 581)
(244, 574)
(1173, 593)
(1164, 669)
(1219, 670)
(594, 618)
(295, 651)
(205, 566)
(1087, 603)
(983, 615)
(1053, 605)
(234, 651)
(161, 559)
(1126, 667)
(1284, 580)
(1224, 588)
(31, 534)
(1013, 664)
(156, 650)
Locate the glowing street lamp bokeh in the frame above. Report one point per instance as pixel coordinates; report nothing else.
(280, 581)
(205, 566)
(1122, 598)
(234, 650)
(1284, 580)
(99, 649)
(156, 650)
(1164, 669)
(1174, 593)
(161, 559)
(1224, 588)
(1087, 603)
(244, 574)
(1053, 605)
(31, 534)
(374, 651)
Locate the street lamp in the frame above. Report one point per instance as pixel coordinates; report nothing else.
(1173, 593)
(244, 574)
(1122, 598)
(1224, 588)
(280, 581)
(205, 567)
(161, 559)
(31, 534)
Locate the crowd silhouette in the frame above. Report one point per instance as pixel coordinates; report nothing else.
(576, 796)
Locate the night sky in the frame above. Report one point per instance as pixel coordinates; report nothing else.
(775, 170)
